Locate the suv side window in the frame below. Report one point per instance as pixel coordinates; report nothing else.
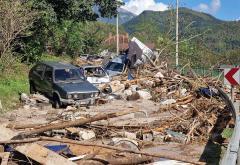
(39, 69)
(48, 75)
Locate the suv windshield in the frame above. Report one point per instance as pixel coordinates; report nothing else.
(66, 75)
(114, 66)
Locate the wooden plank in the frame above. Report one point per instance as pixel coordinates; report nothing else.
(1, 148)
(6, 133)
(4, 158)
(43, 155)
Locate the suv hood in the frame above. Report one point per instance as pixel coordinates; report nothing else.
(78, 87)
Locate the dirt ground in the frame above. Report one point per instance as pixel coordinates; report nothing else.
(147, 117)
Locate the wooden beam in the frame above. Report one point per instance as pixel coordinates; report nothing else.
(43, 155)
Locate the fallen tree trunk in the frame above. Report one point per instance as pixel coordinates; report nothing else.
(24, 126)
(74, 123)
(158, 155)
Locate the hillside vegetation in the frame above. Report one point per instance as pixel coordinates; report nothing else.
(29, 29)
(209, 35)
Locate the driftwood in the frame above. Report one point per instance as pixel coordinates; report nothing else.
(158, 155)
(74, 123)
(24, 126)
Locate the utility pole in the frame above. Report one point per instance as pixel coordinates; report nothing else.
(177, 24)
(117, 34)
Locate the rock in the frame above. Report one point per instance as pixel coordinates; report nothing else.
(159, 75)
(175, 136)
(12, 117)
(40, 98)
(1, 108)
(32, 102)
(134, 88)
(71, 108)
(148, 83)
(144, 95)
(87, 134)
(117, 86)
(26, 107)
(141, 114)
(127, 93)
(168, 101)
(24, 97)
(133, 97)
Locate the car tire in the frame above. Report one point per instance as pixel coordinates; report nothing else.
(56, 102)
(32, 88)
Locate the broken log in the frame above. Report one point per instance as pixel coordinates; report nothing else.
(158, 155)
(74, 123)
(24, 126)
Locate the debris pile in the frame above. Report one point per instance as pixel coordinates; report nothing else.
(186, 110)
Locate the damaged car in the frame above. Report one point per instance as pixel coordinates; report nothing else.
(95, 74)
(63, 83)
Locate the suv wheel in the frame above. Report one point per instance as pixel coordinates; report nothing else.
(56, 102)
(32, 88)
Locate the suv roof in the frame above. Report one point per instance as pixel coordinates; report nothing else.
(58, 65)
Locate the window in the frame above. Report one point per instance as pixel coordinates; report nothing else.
(39, 70)
(118, 67)
(48, 74)
(68, 75)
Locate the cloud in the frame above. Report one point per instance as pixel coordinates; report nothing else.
(138, 6)
(215, 5)
(203, 7)
(211, 8)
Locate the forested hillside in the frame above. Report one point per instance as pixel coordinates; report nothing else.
(203, 32)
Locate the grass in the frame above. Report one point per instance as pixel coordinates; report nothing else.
(47, 57)
(12, 83)
(15, 81)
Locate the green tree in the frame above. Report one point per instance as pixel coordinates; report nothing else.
(60, 23)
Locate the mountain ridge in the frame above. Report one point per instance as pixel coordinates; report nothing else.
(220, 35)
(124, 16)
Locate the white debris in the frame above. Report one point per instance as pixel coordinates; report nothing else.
(134, 88)
(127, 93)
(130, 135)
(117, 86)
(149, 83)
(144, 95)
(24, 97)
(183, 92)
(40, 98)
(159, 75)
(87, 134)
(168, 101)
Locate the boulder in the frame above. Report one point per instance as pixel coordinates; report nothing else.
(144, 95)
(133, 97)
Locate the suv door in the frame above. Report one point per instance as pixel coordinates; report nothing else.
(47, 82)
(37, 76)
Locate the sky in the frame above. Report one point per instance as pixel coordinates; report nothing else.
(221, 9)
